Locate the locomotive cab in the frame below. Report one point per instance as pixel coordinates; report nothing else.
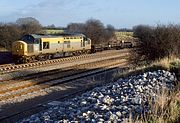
(25, 47)
(32, 44)
(19, 48)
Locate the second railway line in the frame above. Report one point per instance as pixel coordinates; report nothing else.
(55, 80)
(47, 81)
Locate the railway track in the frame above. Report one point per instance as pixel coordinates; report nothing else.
(67, 81)
(35, 83)
(7, 68)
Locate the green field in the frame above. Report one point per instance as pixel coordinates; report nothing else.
(120, 35)
(124, 35)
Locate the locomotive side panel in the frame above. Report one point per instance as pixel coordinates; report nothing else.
(51, 45)
(71, 44)
(32, 49)
(76, 44)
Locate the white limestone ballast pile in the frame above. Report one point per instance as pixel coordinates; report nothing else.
(111, 103)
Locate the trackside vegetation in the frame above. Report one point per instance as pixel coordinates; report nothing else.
(159, 48)
(158, 42)
(166, 107)
(92, 28)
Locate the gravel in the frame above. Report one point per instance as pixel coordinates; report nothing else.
(110, 103)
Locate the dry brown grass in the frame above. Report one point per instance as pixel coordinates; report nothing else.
(166, 107)
(166, 62)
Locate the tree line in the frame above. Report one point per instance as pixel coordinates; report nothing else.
(158, 42)
(94, 29)
(10, 32)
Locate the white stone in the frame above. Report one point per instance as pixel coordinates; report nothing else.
(118, 114)
(54, 103)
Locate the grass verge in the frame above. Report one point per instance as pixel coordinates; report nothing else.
(166, 108)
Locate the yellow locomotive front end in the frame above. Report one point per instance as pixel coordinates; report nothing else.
(19, 49)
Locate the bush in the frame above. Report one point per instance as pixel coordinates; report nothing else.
(158, 42)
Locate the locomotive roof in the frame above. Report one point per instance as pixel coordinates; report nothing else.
(31, 38)
(55, 36)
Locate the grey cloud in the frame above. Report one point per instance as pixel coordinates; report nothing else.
(61, 12)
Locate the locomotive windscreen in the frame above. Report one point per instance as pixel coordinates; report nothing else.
(29, 39)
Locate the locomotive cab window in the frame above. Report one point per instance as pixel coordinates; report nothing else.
(28, 39)
(45, 45)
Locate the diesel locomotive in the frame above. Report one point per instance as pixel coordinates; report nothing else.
(36, 47)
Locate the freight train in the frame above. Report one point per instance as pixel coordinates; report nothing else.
(37, 47)
(115, 45)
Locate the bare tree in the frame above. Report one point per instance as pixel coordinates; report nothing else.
(13, 31)
(158, 42)
(94, 29)
(29, 25)
(75, 27)
(52, 26)
(110, 33)
(8, 34)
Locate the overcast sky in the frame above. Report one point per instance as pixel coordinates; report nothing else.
(119, 13)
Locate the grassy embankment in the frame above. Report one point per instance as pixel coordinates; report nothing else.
(166, 109)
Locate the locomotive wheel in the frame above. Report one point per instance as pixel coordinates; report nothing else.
(74, 54)
(78, 53)
(31, 59)
(24, 60)
(48, 57)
